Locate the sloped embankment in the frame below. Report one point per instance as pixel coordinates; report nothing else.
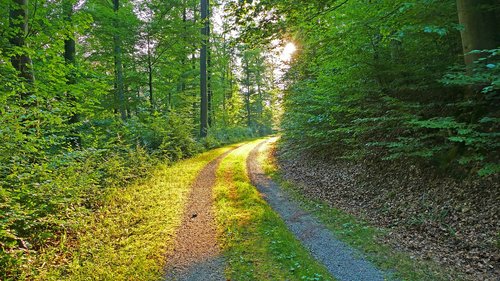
(341, 260)
(454, 222)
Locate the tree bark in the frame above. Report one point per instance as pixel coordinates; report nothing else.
(69, 45)
(117, 50)
(259, 92)
(247, 97)
(150, 75)
(18, 21)
(70, 60)
(209, 71)
(480, 28)
(209, 88)
(203, 70)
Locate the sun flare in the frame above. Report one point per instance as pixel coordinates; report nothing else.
(288, 50)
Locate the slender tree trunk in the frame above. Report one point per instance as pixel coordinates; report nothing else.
(69, 42)
(247, 98)
(138, 97)
(196, 106)
(18, 22)
(259, 91)
(70, 49)
(209, 89)
(170, 105)
(119, 84)
(260, 123)
(225, 77)
(203, 70)
(481, 28)
(70, 60)
(182, 84)
(231, 84)
(150, 84)
(224, 87)
(150, 76)
(209, 69)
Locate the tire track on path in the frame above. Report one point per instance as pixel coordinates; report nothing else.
(342, 261)
(196, 255)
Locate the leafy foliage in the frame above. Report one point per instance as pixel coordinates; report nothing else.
(64, 147)
(384, 79)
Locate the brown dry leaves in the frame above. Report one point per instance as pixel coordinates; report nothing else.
(454, 222)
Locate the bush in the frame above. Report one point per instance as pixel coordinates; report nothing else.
(46, 186)
(218, 136)
(45, 199)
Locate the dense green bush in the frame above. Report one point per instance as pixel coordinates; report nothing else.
(46, 183)
(168, 136)
(387, 80)
(218, 136)
(42, 199)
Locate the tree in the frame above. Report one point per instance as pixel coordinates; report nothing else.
(117, 51)
(254, 70)
(481, 27)
(205, 33)
(18, 22)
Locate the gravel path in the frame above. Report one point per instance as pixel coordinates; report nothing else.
(343, 262)
(196, 254)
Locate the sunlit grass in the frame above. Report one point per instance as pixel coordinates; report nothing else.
(256, 242)
(360, 234)
(129, 237)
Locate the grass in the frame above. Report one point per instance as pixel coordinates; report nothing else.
(256, 242)
(127, 239)
(359, 234)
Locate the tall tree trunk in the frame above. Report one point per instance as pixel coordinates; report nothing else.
(70, 50)
(150, 75)
(231, 83)
(70, 60)
(150, 84)
(209, 69)
(209, 87)
(259, 92)
(224, 86)
(195, 106)
(203, 70)
(117, 49)
(225, 78)
(69, 42)
(18, 22)
(182, 82)
(247, 97)
(170, 105)
(481, 28)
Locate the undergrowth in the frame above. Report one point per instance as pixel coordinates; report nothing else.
(47, 195)
(126, 238)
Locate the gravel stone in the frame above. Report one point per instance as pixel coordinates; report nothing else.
(343, 262)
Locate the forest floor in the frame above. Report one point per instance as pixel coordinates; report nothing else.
(229, 214)
(435, 218)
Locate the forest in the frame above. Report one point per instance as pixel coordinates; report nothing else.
(388, 110)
